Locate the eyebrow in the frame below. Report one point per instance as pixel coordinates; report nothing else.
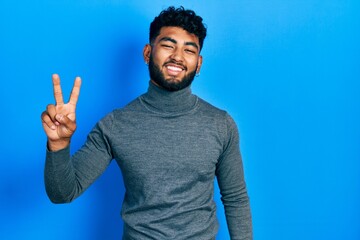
(175, 42)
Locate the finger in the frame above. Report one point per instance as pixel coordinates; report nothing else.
(74, 96)
(46, 121)
(57, 90)
(69, 124)
(51, 111)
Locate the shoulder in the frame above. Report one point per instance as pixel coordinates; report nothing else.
(221, 117)
(122, 113)
(211, 110)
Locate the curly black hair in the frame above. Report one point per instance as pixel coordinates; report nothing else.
(178, 17)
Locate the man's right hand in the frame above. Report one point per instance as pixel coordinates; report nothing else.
(59, 120)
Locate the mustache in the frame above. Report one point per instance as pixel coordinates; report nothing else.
(172, 61)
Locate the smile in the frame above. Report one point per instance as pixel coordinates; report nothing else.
(174, 69)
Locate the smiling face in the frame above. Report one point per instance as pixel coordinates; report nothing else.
(173, 58)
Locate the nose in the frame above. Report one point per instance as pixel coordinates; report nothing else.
(177, 55)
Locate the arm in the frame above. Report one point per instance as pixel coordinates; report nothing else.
(66, 177)
(230, 176)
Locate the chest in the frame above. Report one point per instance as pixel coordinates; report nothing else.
(167, 148)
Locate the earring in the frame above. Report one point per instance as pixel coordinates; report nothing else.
(197, 74)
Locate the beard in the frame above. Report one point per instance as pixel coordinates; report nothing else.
(170, 84)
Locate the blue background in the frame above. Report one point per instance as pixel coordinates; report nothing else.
(287, 71)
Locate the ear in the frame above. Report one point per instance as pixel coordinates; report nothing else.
(200, 60)
(146, 53)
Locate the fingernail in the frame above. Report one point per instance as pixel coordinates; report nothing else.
(53, 127)
(59, 117)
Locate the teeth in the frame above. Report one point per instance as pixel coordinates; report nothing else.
(172, 68)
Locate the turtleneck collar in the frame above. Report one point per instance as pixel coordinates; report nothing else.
(162, 101)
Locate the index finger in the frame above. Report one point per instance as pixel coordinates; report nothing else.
(57, 90)
(74, 96)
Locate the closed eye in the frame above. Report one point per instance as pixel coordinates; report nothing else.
(190, 51)
(167, 46)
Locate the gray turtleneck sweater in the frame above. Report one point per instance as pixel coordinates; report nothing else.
(169, 146)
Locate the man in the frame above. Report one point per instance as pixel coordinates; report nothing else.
(169, 144)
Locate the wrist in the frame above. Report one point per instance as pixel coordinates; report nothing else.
(57, 145)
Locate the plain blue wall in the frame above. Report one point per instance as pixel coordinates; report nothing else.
(287, 71)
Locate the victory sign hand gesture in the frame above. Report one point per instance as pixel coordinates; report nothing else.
(59, 120)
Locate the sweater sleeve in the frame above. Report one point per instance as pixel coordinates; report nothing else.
(68, 177)
(230, 176)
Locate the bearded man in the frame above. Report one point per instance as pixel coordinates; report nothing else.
(169, 144)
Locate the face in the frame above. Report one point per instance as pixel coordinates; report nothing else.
(173, 58)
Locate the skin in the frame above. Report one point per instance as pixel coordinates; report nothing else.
(59, 120)
(175, 51)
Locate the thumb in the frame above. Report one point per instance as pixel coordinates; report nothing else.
(66, 122)
(59, 118)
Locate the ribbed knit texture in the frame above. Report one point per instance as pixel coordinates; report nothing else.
(169, 146)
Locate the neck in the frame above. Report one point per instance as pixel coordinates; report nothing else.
(161, 100)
